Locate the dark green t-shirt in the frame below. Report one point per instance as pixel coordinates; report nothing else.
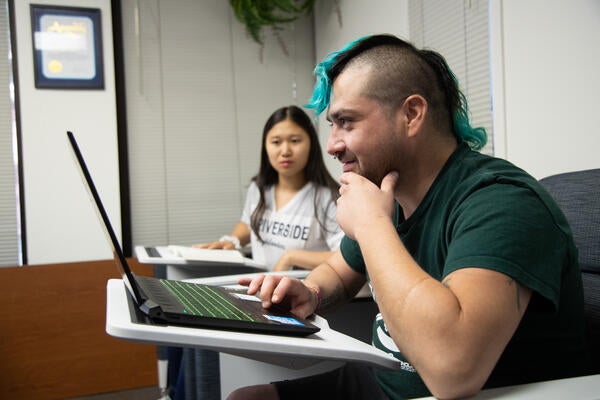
(485, 212)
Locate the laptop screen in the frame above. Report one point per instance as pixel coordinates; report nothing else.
(118, 255)
(188, 303)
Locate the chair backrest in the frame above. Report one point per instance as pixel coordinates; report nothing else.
(578, 196)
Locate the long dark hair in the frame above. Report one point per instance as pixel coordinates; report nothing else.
(315, 170)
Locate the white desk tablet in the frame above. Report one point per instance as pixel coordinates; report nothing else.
(291, 352)
(327, 346)
(579, 388)
(184, 255)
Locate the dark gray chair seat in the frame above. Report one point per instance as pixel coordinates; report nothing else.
(578, 195)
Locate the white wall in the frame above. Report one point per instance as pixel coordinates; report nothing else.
(60, 221)
(545, 57)
(61, 224)
(545, 88)
(550, 88)
(199, 91)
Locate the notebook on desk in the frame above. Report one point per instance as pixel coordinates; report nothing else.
(191, 304)
(184, 255)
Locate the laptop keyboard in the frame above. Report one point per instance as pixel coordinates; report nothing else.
(152, 252)
(206, 301)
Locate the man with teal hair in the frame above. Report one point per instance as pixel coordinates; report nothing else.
(471, 263)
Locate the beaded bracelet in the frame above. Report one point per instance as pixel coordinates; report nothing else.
(232, 239)
(317, 292)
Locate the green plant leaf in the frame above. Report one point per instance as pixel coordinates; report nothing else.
(256, 14)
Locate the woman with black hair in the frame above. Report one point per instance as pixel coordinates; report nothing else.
(289, 213)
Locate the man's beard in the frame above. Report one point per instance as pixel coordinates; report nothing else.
(375, 176)
(383, 165)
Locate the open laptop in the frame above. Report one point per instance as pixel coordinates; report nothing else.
(192, 304)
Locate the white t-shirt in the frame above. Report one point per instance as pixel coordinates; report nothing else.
(294, 226)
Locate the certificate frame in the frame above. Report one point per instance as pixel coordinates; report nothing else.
(67, 47)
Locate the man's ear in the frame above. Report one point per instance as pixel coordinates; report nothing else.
(414, 110)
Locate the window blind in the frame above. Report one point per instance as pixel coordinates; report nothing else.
(458, 29)
(9, 232)
(198, 92)
(182, 156)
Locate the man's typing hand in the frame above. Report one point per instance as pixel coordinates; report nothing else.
(283, 290)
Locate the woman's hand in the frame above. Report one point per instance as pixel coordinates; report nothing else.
(285, 262)
(222, 245)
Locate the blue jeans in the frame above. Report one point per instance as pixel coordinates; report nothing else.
(194, 374)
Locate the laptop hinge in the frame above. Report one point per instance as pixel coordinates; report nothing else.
(151, 309)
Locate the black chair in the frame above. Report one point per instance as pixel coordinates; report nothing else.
(578, 195)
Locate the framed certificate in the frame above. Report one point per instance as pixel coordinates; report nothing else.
(67, 47)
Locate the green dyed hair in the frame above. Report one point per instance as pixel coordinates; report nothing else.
(430, 77)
